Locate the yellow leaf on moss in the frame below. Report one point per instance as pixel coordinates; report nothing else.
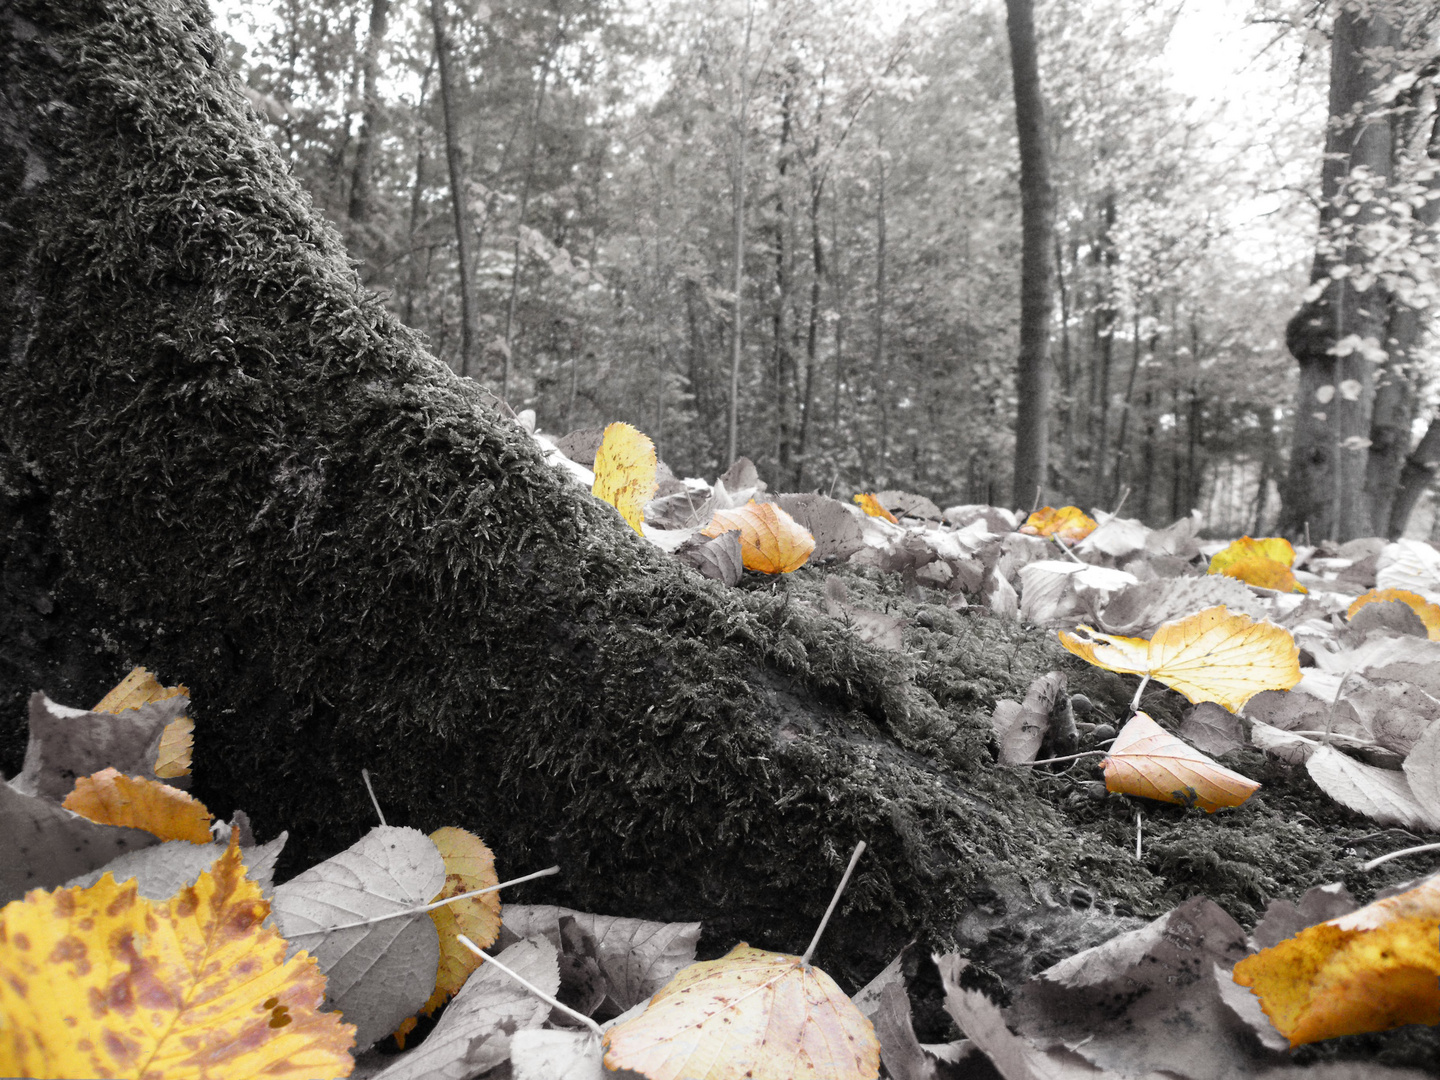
(112, 798)
(1371, 970)
(625, 472)
(1429, 613)
(752, 1014)
(771, 541)
(176, 741)
(1148, 761)
(1069, 523)
(875, 508)
(103, 982)
(1209, 656)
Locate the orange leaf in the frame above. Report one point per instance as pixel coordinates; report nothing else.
(1371, 970)
(103, 982)
(1070, 523)
(1209, 656)
(625, 472)
(1429, 613)
(771, 541)
(141, 688)
(111, 798)
(873, 507)
(751, 1013)
(1148, 761)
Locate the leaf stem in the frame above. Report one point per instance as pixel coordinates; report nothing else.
(1373, 863)
(1144, 681)
(587, 1021)
(1067, 757)
(1067, 551)
(854, 858)
(365, 775)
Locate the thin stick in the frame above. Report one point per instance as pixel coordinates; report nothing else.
(1067, 551)
(431, 907)
(1138, 827)
(854, 858)
(1135, 704)
(591, 1024)
(1116, 512)
(1036, 504)
(1373, 863)
(1067, 757)
(365, 775)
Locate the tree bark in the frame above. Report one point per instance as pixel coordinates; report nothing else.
(360, 179)
(1037, 228)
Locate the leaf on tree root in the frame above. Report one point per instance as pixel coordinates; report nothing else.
(102, 982)
(176, 742)
(1371, 970)
(380, 972)
(873, 508)
(1212, 655)
(753, 1014)
(1148, 761)
(1069, 523)
(1429, 613)
(625, 472)
(771, 541)
(111, 798)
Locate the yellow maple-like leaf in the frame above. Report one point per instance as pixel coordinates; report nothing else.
(1148, 761)
(771, 541)
(874, 508)
(1069, 523)
(753, 1014)
(141, 688)
(625, 472)
(112, 798)
(103, 982)
(1265, 563)
(1429, 613)
(1209, 656)
(1372, 970)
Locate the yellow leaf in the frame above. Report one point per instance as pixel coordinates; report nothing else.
(753, 1014)
(771, 541)
(625, 472)
(102, 982)
(1429, 613)
(1209, 656)
(141, 688)
(1148, 761)
(874, 508)
(1070, 523)
(111, 798)
(1371, 970)
(1273, 547)
(1265, 563)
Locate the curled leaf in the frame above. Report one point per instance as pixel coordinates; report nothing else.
(1069, 523)
(1265, 563)
(1148, 761)
(873, 507)
(1429, 613)
(771, 541)
(111, 798)
(176, 741)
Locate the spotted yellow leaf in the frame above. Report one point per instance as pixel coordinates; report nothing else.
(141, 688)
(1209, 656)
(625, 472)
(1429, 613)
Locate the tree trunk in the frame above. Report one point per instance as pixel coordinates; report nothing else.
(360, 179)
(782, 362)
(1103, 348)
(881, 374)
(1325, 487)
(812, 327)
(1037, 228)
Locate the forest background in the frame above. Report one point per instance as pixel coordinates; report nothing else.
(844, 176)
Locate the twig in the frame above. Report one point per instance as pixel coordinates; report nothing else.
(854, 858)
(1135, 703)
(365, 775)
(1373, 863)
(1067, 757)
(1036, 504)
(430, 907)
(1123, 496)
(1067, 551)
(587, 1021)
(1138, 828)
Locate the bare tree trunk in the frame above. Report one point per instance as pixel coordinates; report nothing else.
(360, 178)
(1102, 358)
(1037, 227)
(1067, 378)
(812, 329)
(417, 277)
(742, 133)
(881, 373)
(454, 159)
(781, 360)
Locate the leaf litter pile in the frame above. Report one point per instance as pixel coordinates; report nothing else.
(140, 938)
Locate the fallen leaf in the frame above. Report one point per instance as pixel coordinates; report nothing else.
(141, 688)
(1371, 970)
(469, 865)
(753, 1014)
(908, 504)
(102, 982)
(111, 798)
(770, 539)
(718, 557)
(1139, 609)
(1020, 727)
(1411, 565)
(834, 526)
(1148, 761)
(1429, 613)
(1070, 523)
(1212, 729)
(1284, 918)
(625, 472)
(1422, 770)
(1275, 548)
(1054, 591)
(547, 1054)
(379, 972)
(1213, 655)
(1382, 795)
(163, 870)
(899, 1049)
(1117, 538)
(871, 506)
(1388, 617)
(1263, 572)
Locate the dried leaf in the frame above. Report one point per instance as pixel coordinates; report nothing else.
(753, 1014)
(1274, 548)
(163, 870)
(1422, 770)
(1054, 591)
(141, 688)
(1429, 613)
(1382, 795)
(469, 865)
(1139, 609)
(908, 504)
(1411, 565)
(1212, 655)
(1116, 538)
(1284, 918)
(872, 506)
(1070, 523)
(1371, 970)
(625, 472)
(1148, 761)
(1212, 729)
(1263, 572)
(718, 557)
(111, 798)
(215, 995)
(770, 539)
(835, 527)
(1020, 728)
